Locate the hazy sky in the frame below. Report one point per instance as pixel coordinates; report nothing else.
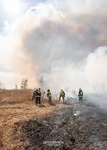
(63, 42)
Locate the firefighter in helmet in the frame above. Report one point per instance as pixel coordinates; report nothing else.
(35, 96)
(80, 94)
(49, 96)
(39, 96)
(62, 95)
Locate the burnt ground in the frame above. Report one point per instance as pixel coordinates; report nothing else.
(78, 126)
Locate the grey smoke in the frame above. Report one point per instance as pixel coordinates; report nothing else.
(59, 45)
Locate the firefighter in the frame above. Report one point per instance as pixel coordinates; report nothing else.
(36, 97)
(62, 95)
(33, 96)
(39, 96)
(49, 96)
(80, 94)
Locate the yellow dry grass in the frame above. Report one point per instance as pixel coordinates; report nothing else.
(16, 106)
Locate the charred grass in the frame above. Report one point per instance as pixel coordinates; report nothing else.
(25, 126)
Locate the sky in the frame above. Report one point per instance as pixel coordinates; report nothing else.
(64, 43)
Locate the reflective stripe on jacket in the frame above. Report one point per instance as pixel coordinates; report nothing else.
(49, 94)
(80, 94)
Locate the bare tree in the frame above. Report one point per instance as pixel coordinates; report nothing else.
(16, 86)
(41, 80)
(2, 86)
(24, 84)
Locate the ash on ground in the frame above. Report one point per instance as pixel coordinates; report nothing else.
(79, 126)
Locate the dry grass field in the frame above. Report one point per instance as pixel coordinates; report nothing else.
(17, 106)
(69, 126)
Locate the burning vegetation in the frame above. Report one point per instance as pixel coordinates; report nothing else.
(73, 125)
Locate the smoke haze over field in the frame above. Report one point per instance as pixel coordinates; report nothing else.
(62, 42)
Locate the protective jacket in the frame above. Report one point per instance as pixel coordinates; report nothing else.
(48, 94)
(80, 94)
(62, 93)
(39, 93)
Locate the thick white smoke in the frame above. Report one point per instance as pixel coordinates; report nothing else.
(55, 50)
(96, 70)
(67, 49)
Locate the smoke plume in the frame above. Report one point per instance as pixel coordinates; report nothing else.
(64, 44)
